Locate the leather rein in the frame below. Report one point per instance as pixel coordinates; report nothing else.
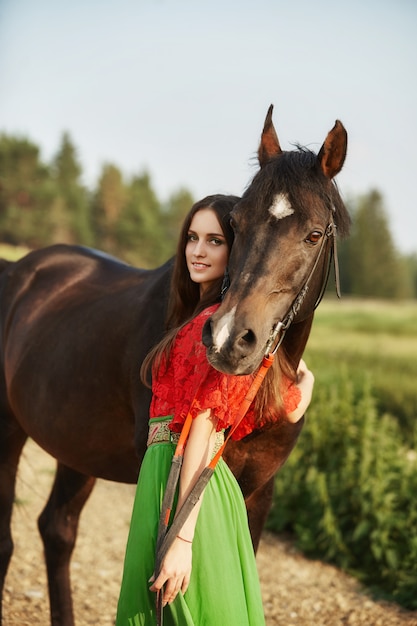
(167, 535)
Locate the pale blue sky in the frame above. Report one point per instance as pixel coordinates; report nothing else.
(181, 88)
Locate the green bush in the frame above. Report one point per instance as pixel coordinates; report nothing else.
(348, 490)
(379, 338)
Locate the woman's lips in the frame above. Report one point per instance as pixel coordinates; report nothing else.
(200, 266)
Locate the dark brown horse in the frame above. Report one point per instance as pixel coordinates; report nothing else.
(76, 324)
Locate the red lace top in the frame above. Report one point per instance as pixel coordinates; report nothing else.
(189, 376)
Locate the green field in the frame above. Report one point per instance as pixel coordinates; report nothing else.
(347, 492)
(12, 253)
(373, 340)
(366, 327)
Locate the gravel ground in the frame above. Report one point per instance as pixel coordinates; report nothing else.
(296, 591)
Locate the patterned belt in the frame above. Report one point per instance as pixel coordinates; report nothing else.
(159, 432)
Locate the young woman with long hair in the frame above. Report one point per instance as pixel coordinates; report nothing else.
(208, 575)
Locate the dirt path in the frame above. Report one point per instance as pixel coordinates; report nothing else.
(296, 591)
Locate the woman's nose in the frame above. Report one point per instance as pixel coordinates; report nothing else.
(200, 249)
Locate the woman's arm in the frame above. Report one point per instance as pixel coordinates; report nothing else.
(305, 383)
(176, 568)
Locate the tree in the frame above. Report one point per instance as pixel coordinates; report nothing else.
(411, 262)
(175, 210)
(24, 192)
(108, 204)
(71, 220)
(375, 267)
(140, 230)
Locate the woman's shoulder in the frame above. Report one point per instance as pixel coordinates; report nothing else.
(207, 312)
(196, 324)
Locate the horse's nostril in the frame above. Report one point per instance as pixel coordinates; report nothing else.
(248, 337)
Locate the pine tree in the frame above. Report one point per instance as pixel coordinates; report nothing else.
(71, 220)
(375, 267)
(24, 193)
(140, 230)
(108, 204)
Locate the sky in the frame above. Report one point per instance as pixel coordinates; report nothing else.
(180, 89)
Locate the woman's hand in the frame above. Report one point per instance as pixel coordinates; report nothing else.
(176, 567)
(305, 383)
(175, 571)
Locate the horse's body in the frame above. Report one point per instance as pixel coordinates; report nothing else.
(75, 326)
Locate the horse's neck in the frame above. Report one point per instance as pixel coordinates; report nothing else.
(296, 339)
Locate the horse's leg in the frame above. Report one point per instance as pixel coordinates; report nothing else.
(12, 440)
(58, 524)
(258, 505)
(259, 500)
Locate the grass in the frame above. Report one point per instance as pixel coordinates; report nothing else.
(12, 253)
(347, 492)
(376, 340)
(366, 319)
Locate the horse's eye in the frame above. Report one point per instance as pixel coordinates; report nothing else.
(314, 237)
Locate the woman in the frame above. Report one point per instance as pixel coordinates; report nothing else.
(209, 574)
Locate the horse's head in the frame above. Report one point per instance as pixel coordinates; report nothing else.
(284, 229)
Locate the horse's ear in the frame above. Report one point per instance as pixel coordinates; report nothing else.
(333, 152)
(269, 146)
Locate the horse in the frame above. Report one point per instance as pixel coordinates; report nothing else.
(75, 325)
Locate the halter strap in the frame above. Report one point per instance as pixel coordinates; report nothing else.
(282, 326)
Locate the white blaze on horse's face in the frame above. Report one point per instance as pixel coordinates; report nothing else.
(223, 333)
(281, 206)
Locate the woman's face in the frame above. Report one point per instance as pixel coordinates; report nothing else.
(206, 252)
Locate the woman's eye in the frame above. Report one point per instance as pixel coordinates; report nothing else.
(191, 237)
(314, 237)
(216, 242)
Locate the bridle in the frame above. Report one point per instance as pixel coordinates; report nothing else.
(278, 331)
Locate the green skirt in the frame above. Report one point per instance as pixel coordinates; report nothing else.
(224, 587)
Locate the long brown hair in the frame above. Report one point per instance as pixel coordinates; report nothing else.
(184, 299)
(185, 303)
